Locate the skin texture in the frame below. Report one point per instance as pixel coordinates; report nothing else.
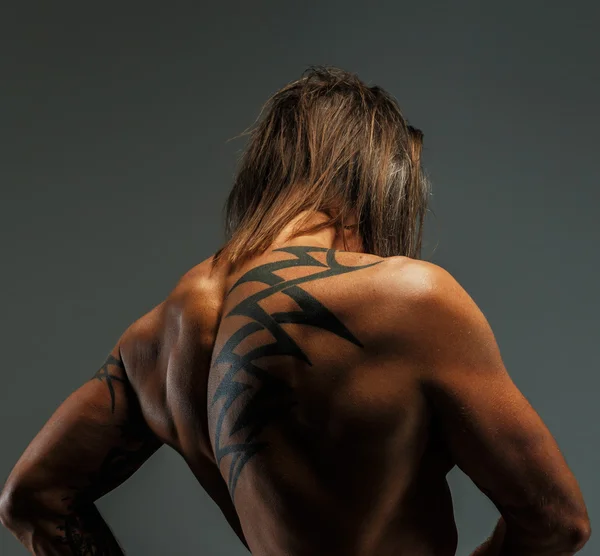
(320, 396)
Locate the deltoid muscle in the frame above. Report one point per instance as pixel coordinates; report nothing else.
(269, 398)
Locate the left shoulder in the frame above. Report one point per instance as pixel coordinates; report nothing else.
(193, 306)
(198, 294)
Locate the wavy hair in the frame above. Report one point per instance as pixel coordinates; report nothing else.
(328, 142)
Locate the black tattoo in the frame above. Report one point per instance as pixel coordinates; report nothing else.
(103, 374)
(83, 534)
(271, 398)
(82, 528)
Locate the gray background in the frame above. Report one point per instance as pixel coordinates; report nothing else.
(115, 164)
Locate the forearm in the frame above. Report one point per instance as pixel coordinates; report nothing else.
(81, 531)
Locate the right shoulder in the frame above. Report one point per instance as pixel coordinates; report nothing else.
(411, 282)
(428, 310)
(417, 282)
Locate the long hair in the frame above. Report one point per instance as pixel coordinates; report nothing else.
(328, 142)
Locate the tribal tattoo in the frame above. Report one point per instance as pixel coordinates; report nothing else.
(82, 529)
(103, 374)
(269, 398)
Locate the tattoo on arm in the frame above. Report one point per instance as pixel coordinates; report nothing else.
(103, 374)
(85, 533)
(81, 530)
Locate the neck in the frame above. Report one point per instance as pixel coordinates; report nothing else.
(329, 237)
(291, 235)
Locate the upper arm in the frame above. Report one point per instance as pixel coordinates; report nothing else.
(493, 433)
(95, 440)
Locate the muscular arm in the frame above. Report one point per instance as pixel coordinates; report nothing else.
(95, 440)
(493, 433)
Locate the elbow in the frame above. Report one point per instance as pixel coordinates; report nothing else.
(565, 539)
(561, 535)
(14, 506)
(573, 535)
(6, 506)
(576, 529)
(580, 534)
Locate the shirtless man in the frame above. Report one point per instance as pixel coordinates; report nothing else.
(317, 377)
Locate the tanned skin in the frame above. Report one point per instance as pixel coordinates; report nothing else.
(320, 395)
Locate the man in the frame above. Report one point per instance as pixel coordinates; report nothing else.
(319, 379)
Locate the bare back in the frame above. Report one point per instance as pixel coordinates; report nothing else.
(322, 436)
(300, 399)
(321, 396)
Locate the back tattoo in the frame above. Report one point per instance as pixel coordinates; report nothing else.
(269, 398)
